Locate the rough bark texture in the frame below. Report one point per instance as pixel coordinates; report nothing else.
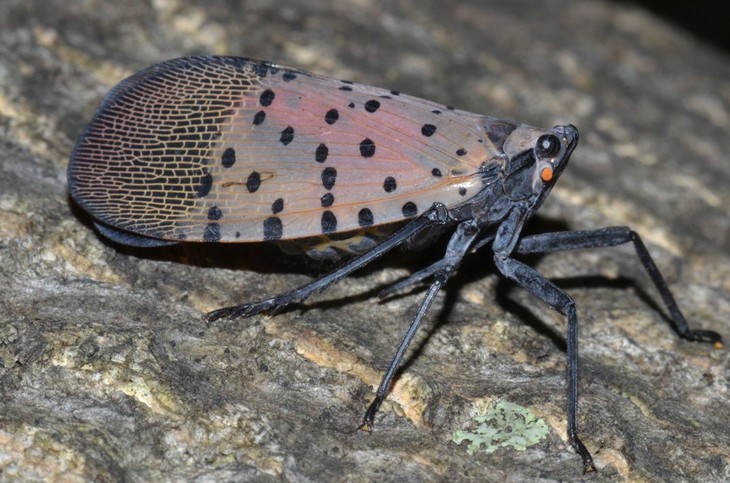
(109, 373)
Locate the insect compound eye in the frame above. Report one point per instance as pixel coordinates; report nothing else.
(548, 145)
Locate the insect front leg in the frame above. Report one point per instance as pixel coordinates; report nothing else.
(542, 288)
(437, 214)
(608, 237)
(545, 290)
(458, 246)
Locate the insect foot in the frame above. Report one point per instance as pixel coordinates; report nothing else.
(243, 310)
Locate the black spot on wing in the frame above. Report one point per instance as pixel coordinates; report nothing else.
(365, 217)
(329, 222)
(258, 118)
(215, 213)
(428, 130)
(204, 186)
(253, 182)
(267, 97)
(273, 229)
(320, 155)
(287, 135)
(329, 176)
(367, 148)
(372, 105)
(409, 209)
(389, 185)
(212, 232)
(229, 158)
(327, 199)
(331, 117)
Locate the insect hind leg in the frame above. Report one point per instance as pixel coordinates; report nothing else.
(436, 215)
(459, 244)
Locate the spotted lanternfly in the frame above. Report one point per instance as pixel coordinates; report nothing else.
(225, 149)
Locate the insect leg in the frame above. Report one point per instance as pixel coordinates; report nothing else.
(458, 246)
(545, 290)
(422, 275)
(504, 244)
(608, 237)
(413, 279)
(437, 214)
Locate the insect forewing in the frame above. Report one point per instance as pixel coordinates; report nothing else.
(228, 149)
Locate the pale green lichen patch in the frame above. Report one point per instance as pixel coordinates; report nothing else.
(503, 425)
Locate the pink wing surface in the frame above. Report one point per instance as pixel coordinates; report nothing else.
(232, 150)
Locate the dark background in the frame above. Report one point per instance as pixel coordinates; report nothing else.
(707, 19)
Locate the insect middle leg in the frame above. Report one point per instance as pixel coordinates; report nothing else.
(458, 246)
(421, 275)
